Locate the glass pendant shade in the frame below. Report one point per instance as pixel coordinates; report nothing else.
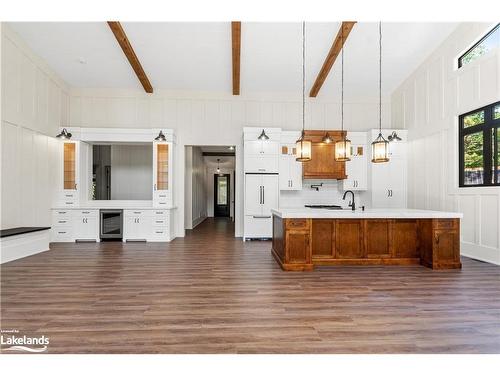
(303, 152)
(380, 150)
(343, 150)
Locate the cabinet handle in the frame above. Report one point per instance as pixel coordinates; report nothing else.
(85, 212)
(388, 193)
(391, 192)
(61, 232)
(160, 212)
(61, 221)
(61, 212)
(69, 202)
(75, 186)
(261, 217)
(263, 195)
(262, 169)
(137, 212)
(155, 187)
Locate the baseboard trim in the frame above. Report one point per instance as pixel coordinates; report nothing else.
(482, 253)
(198, 221)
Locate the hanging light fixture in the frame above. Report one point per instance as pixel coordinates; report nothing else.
(380, 146)
(303, 146)
(161, 137)
(64, 134)
(327, 139)
(218, 166)
(342, 147)
(263, 136)
(394, 137)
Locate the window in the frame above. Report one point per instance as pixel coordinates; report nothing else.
(489, 42)
(479, 147)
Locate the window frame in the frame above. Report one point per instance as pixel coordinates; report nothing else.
(460, 64)
(488, 151)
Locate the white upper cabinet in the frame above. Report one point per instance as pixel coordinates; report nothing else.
(357, 167)
(388, 180)
(162, 174)
(290, 169)
(261, 156)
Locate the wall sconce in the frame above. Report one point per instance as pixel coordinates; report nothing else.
(394, 137)
(64, 134)
(161, 137)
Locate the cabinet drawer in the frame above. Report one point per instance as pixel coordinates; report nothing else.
(261, 164)
(297, 224)
(161, 221)
(61, 234)
(445, 223)
(60, 215)
(86, 213)
(137, 213)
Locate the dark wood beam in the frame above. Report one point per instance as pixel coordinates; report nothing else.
(124, 43)
(331, 57)
(212, 153)
(236, 42)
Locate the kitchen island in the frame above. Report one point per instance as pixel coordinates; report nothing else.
(308, 237)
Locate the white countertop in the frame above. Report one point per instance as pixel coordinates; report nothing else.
(379, 213)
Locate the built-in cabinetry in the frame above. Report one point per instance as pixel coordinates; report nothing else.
(262, 167)
(299, 244)
(323, 165)
(77, 216)
(388, 180)
(162, 174)
(290, 170)
(70, 225)
(357, 167)
(261, 195)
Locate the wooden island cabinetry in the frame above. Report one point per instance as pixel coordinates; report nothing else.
(301, 243)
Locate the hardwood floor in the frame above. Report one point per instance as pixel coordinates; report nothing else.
(212, 293)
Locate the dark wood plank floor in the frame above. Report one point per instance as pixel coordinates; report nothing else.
(212, 293)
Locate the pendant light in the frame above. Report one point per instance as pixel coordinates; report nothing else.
(327, 139)
(64, 134)
(302, 145)
(218, 166)
(263, 136)
(161, 137)
(380, 146)
(342, 147)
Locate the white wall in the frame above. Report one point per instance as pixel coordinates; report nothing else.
(34, 104)
(131, 172)
(195, 188)
(213, 119)
(428, 104)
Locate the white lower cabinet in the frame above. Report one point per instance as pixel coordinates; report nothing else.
(86, 225)
(152, 225)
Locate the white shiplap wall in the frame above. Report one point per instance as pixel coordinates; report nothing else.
(34, 104)
(428, 104)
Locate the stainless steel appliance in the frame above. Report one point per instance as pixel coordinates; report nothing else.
(111, 224)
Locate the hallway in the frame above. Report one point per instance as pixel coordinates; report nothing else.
(212, 293)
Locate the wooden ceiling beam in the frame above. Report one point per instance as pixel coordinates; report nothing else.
(236, 43)
(132, 58)
(331, 57)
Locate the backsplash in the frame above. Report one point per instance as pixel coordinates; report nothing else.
(329, 193)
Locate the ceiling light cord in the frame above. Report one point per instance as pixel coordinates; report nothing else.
(303, 75)
(342, 85)
(380, 77)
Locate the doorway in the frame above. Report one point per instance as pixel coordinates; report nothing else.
(222, 194)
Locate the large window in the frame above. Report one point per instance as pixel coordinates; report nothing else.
(489, 42)
(479, 145)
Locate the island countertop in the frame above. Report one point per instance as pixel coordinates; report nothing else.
(379, 213)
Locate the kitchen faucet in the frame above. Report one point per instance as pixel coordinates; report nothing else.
(351, 204)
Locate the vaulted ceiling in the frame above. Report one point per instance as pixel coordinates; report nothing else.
(196, 56)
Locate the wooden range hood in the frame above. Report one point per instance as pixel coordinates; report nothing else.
(323, 164)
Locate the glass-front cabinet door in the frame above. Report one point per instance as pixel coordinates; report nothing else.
(70, 174)
(162, 173)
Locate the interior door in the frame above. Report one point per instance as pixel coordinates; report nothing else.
(270, 193)
(222, 202)
(253, 194)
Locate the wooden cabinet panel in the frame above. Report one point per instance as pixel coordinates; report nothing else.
(404, 238)
(446, 246)
(376, 236)
(349, 239)
(298, 247)
(323, 164)
(323, 238)
(297, 223)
